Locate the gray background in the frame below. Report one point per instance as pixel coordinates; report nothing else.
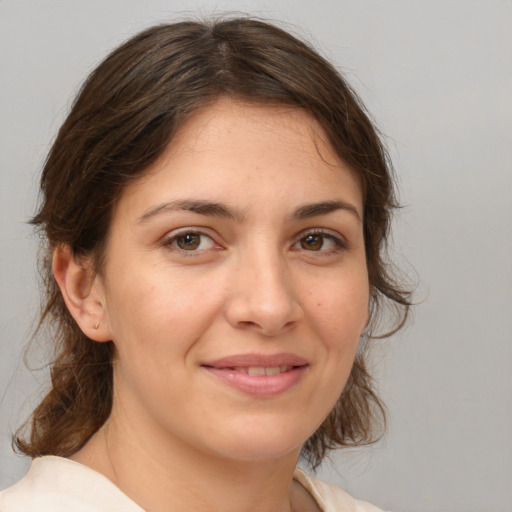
(437, 76)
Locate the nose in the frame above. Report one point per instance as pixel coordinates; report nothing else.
(263, 296)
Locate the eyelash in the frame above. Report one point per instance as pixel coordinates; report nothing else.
(340, 244)
(170, 241)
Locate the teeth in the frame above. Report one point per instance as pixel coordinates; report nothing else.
(256, 370)
(262, 370)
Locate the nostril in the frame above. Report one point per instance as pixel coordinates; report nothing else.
(247, 323)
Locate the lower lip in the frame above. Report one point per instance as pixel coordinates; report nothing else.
(259, 385)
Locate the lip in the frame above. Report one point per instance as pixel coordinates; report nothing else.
(229, 370)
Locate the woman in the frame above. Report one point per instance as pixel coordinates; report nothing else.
(216, 207)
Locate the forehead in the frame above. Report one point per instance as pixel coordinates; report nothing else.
(235, 150)
(248, 126)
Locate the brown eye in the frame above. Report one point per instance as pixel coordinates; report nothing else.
(318, 241)
(188, 242)
(192, 242)
(312, 242)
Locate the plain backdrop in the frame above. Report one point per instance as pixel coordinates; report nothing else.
(437, 77)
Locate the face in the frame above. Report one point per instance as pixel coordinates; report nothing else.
(235, 287)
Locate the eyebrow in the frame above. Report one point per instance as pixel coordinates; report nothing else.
(215, 209)
(312, 210)
(197, 206)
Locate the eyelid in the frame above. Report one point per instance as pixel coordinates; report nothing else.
(168, 239)
(338, 239)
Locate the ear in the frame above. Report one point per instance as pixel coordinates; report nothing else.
(83, 293)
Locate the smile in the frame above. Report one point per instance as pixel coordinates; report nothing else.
(258, 375)
(262, 370)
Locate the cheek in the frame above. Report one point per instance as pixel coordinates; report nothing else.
(155, 314)
(342, 309)
(339, 318)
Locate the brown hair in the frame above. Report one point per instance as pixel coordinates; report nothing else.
(122, 120)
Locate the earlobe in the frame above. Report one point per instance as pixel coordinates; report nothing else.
(82, 293)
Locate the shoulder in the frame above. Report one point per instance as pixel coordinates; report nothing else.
(331, 498)
(56, 484)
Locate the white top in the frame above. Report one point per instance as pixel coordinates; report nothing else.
(56, 484)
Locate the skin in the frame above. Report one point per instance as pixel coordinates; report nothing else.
(182, 287)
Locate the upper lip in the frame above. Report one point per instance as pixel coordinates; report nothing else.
(257, 360)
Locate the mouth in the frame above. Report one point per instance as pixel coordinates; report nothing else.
(258, 375)
(262, 370)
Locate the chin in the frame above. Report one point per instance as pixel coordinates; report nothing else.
(261, 453)
(262, 442)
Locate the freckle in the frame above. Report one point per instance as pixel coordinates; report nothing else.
(319, 304)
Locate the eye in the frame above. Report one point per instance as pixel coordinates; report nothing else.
(319, 241)
(190, 241)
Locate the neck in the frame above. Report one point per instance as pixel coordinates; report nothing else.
(161, 474)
